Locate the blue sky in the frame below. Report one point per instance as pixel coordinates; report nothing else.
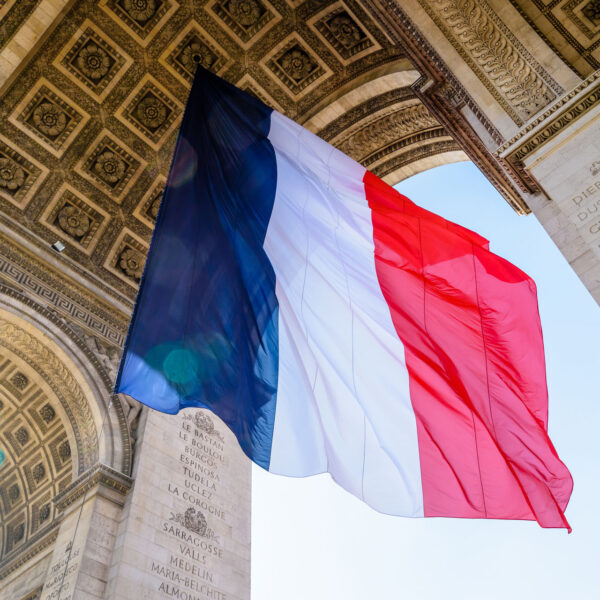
(312, 540)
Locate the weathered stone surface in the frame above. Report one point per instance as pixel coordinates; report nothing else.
(185, 525)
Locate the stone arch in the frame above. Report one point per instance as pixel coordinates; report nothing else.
(56, 421)
(379, 121)
(53, 374)
(78, 377)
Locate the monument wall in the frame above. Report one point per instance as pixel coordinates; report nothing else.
(185, 529)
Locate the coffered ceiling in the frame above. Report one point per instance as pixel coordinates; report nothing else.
(36, 461)
(90, 116)
(570, 27)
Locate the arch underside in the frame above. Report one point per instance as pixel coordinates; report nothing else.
(389, 130)
(328, 65)
(37, 462)
(55, 425)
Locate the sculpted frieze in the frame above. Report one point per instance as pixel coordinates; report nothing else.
(388, 128)
(508, 71)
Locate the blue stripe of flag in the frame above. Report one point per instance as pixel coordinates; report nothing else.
(205, 327)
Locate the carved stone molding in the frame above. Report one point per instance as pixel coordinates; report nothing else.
(56, 291)
(365, 110)
(98, 475)
(416, 140)
(413, 155)
(36, 544)
(553, 121)
(448, 111)
(386, 129)
(508, 71)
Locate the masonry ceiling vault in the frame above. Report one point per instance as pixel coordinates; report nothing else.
(38, 455)
(90, 118)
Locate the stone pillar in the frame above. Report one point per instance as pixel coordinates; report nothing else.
(82, 553)
(185, 530)
(561, 150)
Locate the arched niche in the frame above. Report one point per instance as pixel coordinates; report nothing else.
(57, 421)
(78, 377)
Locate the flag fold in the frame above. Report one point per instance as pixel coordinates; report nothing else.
(337, 327)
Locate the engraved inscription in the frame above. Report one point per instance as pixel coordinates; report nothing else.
(191, 570)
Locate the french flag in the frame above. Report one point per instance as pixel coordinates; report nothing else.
(337, 327)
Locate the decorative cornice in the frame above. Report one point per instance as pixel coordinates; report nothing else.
(508, 71)
(36, 544)
(365, 109)
(98, 475)
(376, 134)
(399, 27)
(447, 110)
(39, 278)
(415, 154)
(553, 121)
(419, 137)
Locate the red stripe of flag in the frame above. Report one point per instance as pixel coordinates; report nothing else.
(470, 326)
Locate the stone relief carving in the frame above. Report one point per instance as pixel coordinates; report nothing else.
(20, 381)
(245, 17)
(109, 357)
(73, 221)
(204, 423)
(295, 66)
(12, 176)
(193, 520)
(386, 129)
(344, 33)
(47, 413)
(592, 11)
(504, 66)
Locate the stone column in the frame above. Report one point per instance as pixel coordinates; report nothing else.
(185, 530)
(82, 553)
(561, 150)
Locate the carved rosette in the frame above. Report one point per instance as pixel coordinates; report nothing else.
(73, 221)
(49, 119)
(592, 11)
(93, 62)
(109, 167)
(131, 262)
(140, 10)
(196, 53)
(12, 176)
